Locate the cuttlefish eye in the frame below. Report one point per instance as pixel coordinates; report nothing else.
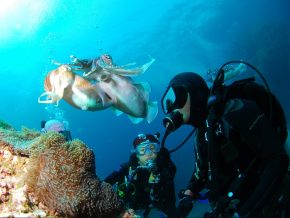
(106, 57)
(104, 77)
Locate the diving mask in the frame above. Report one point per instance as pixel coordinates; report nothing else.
(147, 148)
(174, 97)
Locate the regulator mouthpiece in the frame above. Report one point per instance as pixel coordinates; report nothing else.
(151, 165)
(173, 121)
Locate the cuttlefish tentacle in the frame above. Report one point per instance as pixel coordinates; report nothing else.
(118, 70)
(130, 72)
(51, 97)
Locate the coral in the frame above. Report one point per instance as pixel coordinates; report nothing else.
(44, 175)
(4, 125)
(12, 192)
(29, 134)
(62, 174)
(19, 140)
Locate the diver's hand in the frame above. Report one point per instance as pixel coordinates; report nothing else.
(216, 214)
(188, 192)
(212, 214)
(236, 215)
(129, 213)
(184, 207)
(185, 204)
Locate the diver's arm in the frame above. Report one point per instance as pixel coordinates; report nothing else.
(261, 138)
(165, 165)
(166, 191)
(197, 181)
(168, 173)
(116, 175)
(196, 184)
(112, 178)
(199, 177)
(171, 170)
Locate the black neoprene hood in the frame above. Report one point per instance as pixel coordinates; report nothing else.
(198, 90)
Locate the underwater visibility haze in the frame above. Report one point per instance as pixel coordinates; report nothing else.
(181, 35)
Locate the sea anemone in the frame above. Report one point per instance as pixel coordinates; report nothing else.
(62, 175)
(44, 175)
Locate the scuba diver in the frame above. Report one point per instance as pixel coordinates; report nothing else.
(146, 182)
(240, 158)
(56, 126)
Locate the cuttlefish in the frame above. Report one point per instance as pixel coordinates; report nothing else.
(105, 63)
(127, 96)
(101, 90)
(62, 83)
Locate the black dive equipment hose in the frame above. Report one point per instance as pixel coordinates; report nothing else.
(167, 132)
(219, 81)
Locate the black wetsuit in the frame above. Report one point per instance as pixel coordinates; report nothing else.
(159, 195)
(248, 144)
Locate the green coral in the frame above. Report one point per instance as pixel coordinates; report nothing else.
(5, 126)
(29, 134)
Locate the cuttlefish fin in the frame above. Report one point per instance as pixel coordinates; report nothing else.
(145, 88)
(135, 120)
(152, 111)
(106, 100)
(116, 111)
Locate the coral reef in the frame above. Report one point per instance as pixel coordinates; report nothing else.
(44, 175)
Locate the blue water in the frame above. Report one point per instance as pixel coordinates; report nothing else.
(182, 35)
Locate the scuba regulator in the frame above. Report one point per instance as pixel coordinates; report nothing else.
(172, 122)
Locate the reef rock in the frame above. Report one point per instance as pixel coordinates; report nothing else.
(44, 175)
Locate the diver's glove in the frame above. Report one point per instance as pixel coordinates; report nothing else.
(216, 214)
(185, 204)
(213, 214)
